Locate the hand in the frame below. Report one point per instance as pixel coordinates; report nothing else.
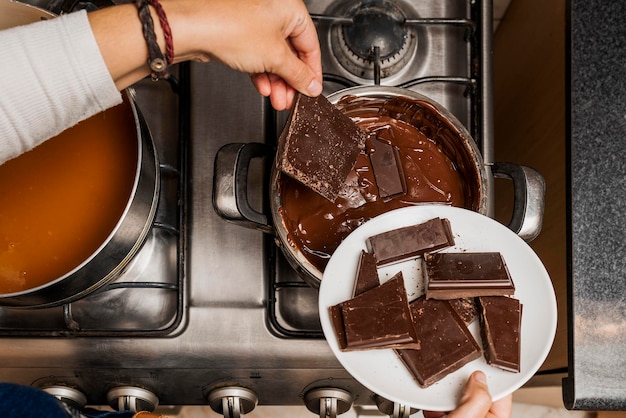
(274, 40)
(476, 402)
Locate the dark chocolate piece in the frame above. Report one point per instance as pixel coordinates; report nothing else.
(387, 168)
(501, 322)
(336, 318)
(411, 241)
(459, 275)
(466, 309)
(447, 344)
(319, 145)
(366, 274)
(378, 318)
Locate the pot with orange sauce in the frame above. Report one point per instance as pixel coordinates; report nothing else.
(74, 210)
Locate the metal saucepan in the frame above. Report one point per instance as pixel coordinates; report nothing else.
(131, 229)
(231, 167)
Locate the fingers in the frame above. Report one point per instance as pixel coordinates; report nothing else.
(293, 74)
(280, 95)
(262, 83)
(502, 408)
(270, 85)
(476, 400)
(304, 42)
(289, 74)
(297, 64)
(274, 41)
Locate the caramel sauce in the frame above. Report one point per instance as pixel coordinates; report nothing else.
(316, 226)
(60, 201)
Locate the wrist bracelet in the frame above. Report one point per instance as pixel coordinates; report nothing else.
(167, 32)
(156, 61)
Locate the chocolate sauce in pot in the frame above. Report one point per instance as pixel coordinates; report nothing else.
(432, 161)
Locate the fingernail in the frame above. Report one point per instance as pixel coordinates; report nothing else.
(480, 377)
(315, 88)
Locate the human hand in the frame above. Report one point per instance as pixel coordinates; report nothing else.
(275, 41)
(476, 402)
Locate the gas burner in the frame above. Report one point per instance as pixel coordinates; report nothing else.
(377, 44)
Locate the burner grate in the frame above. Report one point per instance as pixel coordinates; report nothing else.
(147, 298)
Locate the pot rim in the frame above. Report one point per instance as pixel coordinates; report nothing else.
(312, 275)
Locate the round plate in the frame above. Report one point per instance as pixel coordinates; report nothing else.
(381, 371)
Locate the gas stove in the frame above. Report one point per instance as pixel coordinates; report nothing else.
(209, 311)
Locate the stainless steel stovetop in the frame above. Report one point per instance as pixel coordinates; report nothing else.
(208, 304)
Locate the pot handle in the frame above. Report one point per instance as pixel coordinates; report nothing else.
(230, 184)
(529, 198)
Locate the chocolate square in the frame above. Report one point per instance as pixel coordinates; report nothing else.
(319, 145)
(466, 309)
(376, 319)
(387, 167)
(366, 274)
(447, 344)
(411, 241)
(459, 275)
(501, 321)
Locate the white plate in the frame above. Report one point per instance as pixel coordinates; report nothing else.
(381, 371)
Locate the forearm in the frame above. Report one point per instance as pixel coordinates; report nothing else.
(52, 77)
(126, 56)
(274, 38)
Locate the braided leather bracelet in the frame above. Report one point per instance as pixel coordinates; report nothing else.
(156, 61)
(167, 32)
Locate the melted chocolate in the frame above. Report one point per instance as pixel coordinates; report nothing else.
(430, 157)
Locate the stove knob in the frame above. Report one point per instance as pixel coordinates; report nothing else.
(69, 396)
(393, 409)
(328, 402)
(132, 398)
(232, 401)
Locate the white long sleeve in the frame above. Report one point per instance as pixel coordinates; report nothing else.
(52, 76)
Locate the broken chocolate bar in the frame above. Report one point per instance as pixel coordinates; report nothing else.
(465, 308)
(378, 318)
(387, 168)
(411, 241)
(319, 145)
(459, 275)
(366, 274)
(447, 343)
(501, 321)
(336, 318)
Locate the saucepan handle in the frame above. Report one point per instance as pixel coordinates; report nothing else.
(529, 198)
(230, 184)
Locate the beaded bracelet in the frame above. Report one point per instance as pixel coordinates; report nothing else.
(156, 60)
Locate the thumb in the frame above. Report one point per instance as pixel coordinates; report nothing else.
(476, 400)
(296, 73)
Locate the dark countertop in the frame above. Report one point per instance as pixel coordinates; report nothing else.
(597, 128)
